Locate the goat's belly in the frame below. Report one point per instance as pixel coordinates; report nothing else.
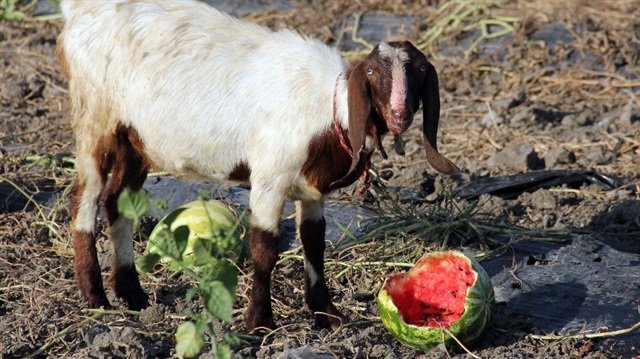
(197, 161)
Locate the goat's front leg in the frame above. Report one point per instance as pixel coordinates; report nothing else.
(311, 230)
(266, 209)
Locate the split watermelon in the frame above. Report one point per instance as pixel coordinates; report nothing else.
(443, 290)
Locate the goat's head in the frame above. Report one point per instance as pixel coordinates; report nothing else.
(384, 92)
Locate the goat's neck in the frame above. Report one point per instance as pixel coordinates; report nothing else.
(341, 101)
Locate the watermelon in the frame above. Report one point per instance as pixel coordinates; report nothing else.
(209, 220)
(443, 290)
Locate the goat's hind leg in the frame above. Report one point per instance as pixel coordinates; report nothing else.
(84, 198)
(129, 170)
(311, 230)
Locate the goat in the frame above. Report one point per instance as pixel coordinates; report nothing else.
(180, 87)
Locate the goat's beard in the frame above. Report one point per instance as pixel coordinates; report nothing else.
(398, 145)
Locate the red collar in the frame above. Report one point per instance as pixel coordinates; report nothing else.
(365, 179)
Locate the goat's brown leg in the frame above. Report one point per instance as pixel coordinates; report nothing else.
(129, 170)
(84, 198)
(264, 253)
(311, 230)
(266, 208)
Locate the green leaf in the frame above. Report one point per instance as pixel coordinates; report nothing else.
(176, 243)
(146, 263)
(9, 12)
(231, 339)
(218, 300)
(202, 321)
(189, 342)
(190, 294)
(201, 252)
(223, 351)
(344, 230)
(181, 236)
(204, 196)
(160, 204)
(133, 205)
(227, 274)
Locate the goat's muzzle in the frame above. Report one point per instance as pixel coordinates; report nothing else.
(399, 121)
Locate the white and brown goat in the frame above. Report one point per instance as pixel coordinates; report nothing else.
(180, 87)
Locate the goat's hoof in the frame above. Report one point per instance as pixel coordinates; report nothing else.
(102, 303)
(126, 284)
(138, 301)
(134, 296)
(260, 327)
(259, 323)
(96, 300)
(330, 319)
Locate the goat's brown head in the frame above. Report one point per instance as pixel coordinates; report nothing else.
(385, 90)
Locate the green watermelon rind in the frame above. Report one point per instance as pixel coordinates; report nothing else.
(199, 216)
(477, 315)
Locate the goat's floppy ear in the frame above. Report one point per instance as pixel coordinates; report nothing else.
(431, 109)
(360, 106)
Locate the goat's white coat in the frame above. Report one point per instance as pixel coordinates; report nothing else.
(205, 91)
(86, 218)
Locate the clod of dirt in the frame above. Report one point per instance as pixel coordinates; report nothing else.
(491, 119)
(577, 119)
(516, 157)
(94, 331)
(153, 314)
(521, 118)
(627, 117)
(559, 157)
(549, 117)
(619, 226)
(543, 199)
(597, 156)
(380, 350)
(303, 352)
(492, 204)
(623, 218)
(441, 185)
(119, 342)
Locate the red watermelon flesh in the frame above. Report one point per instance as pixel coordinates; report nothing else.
(433, 293)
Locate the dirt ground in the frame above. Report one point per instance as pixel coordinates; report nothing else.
(559, 91)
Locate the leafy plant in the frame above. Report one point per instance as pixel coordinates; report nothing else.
(210, 266)
(14, 10)
(9, 12)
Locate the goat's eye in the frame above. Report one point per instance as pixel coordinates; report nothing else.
(423, 68)
(369, 71)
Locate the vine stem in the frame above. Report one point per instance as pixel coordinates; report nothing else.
(587, 335)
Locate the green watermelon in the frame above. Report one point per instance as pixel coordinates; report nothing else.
(443, 290)
(209, 220)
